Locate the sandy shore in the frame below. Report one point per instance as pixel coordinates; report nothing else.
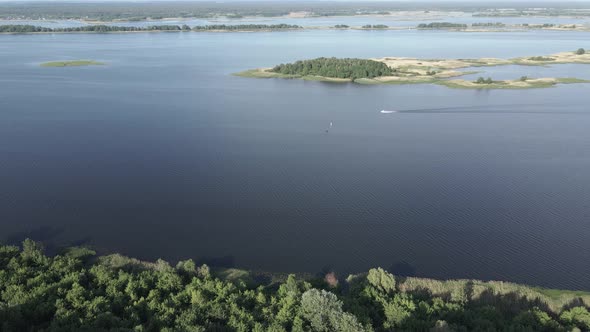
(439, 71)
(448, 66)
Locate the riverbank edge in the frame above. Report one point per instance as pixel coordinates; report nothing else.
(555, 299)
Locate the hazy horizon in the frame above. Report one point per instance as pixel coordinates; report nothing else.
(294, 1)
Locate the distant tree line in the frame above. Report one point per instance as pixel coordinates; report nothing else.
(488, 24)
(87, 28)
(77, 291)
(441, 25)
(117, 10)
(337, 68)
(246, 27)
(544, 25)
(114, 28)
(541, 58)
(110, 11)
(375, 26)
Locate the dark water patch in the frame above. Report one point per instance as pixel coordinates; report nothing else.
(164, 154)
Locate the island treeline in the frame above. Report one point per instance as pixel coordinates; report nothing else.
(350, 68)
(16, 28)
(375, 26)
(76, 291)
(87, 28)
(442, 25)
(488, 24)
(225, 27)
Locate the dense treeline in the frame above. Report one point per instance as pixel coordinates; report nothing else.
(441, 25)
(337, 68)
(77, 291)
(488, 24)
(113, 28)
(87, 28)
(119, 10)
(375, 26)
(529, 12)
(247, 27)
(544, 25)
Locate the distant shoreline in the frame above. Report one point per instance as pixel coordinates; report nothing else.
(309, 28)
(252, 27)
(398, 14)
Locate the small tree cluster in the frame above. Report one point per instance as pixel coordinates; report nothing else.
(375, 26)
(482, 80)
(442, 25)
(333, 67)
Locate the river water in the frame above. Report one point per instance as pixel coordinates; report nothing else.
(163, 153)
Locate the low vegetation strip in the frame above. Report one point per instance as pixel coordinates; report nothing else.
(76, 290)
(100, 27)
(250, 27)
(151, 28)
(510, 84)
(87, 28)
(442, 25)
(71, 63)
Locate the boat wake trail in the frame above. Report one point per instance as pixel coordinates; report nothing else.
(496, 109)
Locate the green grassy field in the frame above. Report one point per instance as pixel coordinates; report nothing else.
(572, 80)
(507, 85)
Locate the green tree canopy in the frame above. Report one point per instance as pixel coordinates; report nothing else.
(78, 291)
(338, 68)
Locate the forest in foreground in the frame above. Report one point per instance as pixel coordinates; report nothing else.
(79, 291)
